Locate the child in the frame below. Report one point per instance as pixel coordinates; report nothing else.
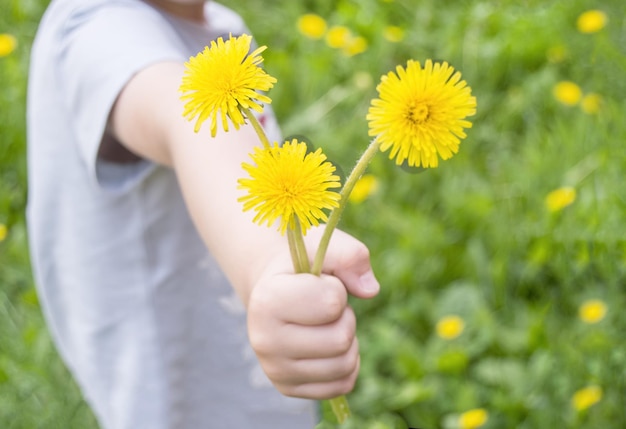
(124, 201)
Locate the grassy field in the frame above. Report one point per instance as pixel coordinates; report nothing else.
(503, 270)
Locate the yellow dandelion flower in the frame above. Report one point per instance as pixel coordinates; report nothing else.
(591, 103)
(421, 113)
(338, 37)
(473, 419)
(450, 327)
(586, 397)
(223, 79)
(364, 187)
(312, 26)
(591, 21)
(393, 34)
(560, 198)
(592, 311)
(567, 93)
(289, 184)
(356, 45)
(8, 43)
(3, 232)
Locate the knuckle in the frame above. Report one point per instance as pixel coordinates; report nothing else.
(343, 387)
(260, 342)
(362, 252)
(343, 339)
(350, 381)
(287, 390)
(345, 332)
(275, 374)
(352, 359)
(333, 305)
(257, 304)
(359, 253)
(346, 367)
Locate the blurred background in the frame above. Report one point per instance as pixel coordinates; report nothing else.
(503, 270)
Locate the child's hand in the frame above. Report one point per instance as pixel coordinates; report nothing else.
(301, 327)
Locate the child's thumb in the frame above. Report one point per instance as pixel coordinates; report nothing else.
(348, 259)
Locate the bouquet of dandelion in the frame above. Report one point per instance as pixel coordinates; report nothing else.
(419, 117)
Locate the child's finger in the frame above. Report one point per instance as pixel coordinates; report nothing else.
(302, 299)
(310, 342)
(322, 390)
(349, 260)
(303, 371)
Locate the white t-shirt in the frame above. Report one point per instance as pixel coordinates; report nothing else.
(138, 309)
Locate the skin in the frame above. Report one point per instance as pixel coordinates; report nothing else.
(300, 326)
(193, 10)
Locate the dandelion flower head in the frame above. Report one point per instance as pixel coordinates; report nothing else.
(312, 26)
(367, 185)
(591, 21)
(420, 115)
(8, 43)
(3, 231)
(338, 37)
(450, 327)
(223, 79)
(354, 46)
(567, 92)
(473, 419)
(288, 184)
(586, 397)
(560, 198)
(592, 311)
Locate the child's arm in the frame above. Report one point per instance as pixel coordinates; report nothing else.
(299, 325)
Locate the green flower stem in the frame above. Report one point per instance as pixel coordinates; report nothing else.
(340, 408)
(293, 249)
(335, 215)
(301, 248)
(257, 127)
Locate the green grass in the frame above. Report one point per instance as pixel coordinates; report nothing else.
(471, 238)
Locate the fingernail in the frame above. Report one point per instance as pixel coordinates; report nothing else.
(369, 283)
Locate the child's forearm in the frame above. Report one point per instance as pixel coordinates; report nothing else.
(208, 171)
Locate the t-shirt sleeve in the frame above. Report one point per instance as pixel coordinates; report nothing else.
(101, 48)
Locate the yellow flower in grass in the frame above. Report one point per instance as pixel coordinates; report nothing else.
(567, 93)
(8, 43)
(592, 311)
(591, 21)
(450, 327)
(560, 198)
(288, 184)
(420, 115)
(586, 397)
(3, 231)
(312, 26)
(473, 419)
(223, 79)
(364, 187)
(355, 45)
(338, 37)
